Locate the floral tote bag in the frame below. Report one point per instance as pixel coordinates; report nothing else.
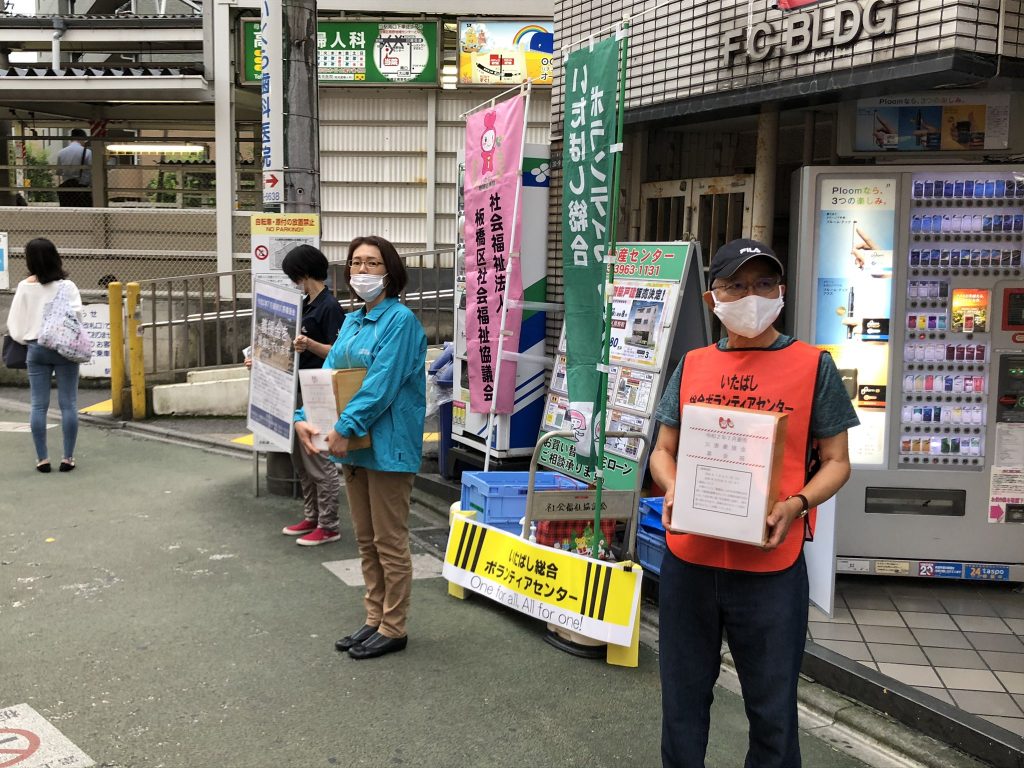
(62, 330)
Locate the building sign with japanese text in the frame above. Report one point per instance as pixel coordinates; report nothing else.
(494, 149)
(360, 52)
(593, 598)
(268, 34)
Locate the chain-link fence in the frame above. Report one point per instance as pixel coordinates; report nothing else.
(99, 245)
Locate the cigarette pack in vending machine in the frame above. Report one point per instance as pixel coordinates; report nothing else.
(912, 280)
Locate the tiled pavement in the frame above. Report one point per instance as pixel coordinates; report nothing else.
(961, 643)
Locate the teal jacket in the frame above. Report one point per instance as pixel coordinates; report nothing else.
(391, 404)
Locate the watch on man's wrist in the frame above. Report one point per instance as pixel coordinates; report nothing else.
(804, 506)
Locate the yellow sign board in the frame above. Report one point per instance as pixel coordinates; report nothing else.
(593, 598)
(293, 224)
(273, 236)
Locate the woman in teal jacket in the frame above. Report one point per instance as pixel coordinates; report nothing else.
(385, 338)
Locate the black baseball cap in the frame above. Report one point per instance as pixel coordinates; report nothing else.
(733, 255)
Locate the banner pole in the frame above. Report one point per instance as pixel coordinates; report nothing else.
(512, 254)
(602, 397)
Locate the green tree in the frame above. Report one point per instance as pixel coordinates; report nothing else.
(40, 180)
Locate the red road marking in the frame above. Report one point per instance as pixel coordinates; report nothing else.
(17, 754)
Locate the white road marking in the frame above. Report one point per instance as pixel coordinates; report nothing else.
(19, 426)
(27, 735)
(351, 572)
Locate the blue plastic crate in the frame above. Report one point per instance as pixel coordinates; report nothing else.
(650, 550)
(499, 498)
(650, 514)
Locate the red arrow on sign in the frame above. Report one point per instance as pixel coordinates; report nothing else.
(270, 181)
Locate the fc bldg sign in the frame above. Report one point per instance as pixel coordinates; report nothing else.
(819, 28)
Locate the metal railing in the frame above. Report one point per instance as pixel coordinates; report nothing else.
(181, 324)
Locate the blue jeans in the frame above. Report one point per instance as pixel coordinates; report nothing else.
(765, 621)
(43, 363)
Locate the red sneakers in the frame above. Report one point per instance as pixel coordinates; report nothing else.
(299, 528)
(319, 536)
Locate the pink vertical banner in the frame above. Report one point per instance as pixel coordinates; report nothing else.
(494, 148)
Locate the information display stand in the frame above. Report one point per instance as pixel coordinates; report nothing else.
(657, 316)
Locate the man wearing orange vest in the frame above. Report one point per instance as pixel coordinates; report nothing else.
(757, 595)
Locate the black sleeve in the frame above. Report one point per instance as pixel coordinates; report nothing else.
(331, 321)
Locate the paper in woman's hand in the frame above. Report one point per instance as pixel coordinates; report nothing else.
(318, 401)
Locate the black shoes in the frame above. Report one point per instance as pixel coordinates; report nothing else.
(377, 645)
(363, 633)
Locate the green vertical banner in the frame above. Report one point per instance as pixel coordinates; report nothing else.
(588, 159)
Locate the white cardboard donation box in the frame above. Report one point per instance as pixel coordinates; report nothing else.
(727, 472)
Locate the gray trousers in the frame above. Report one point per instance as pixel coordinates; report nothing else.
(321, 486)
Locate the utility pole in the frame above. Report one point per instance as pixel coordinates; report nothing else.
(290, 125)
(302, 126)
(290, 130)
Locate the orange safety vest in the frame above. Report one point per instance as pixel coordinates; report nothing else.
(779, 380)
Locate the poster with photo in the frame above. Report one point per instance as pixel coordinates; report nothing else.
(640, 312)
(554, 411)
(621, 421)
(970, 310)
(856, 227)
(558, 376)
(932, 122)
(277, 314)
(633, 389)
(497, 52)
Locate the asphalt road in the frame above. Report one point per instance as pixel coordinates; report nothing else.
(152, 611)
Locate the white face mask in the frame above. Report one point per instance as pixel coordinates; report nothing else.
(368, 287)
(750, 316)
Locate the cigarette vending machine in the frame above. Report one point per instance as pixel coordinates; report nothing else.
(912, 279)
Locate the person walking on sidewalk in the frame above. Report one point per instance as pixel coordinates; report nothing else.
(386, 339)
(757, 595)
(46, 277)
(322, 316)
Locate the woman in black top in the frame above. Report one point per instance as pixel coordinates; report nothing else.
(321, 321)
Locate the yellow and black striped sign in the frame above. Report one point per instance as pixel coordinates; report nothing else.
(597, 599)
(471, 544)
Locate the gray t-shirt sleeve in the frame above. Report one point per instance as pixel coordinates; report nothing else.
(668, 406)
(832, 411)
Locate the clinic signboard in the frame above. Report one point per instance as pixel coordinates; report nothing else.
(395, 52)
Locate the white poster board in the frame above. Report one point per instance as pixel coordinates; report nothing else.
(277, 315)
(97, 323)
(820, 556)
(273, 236)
